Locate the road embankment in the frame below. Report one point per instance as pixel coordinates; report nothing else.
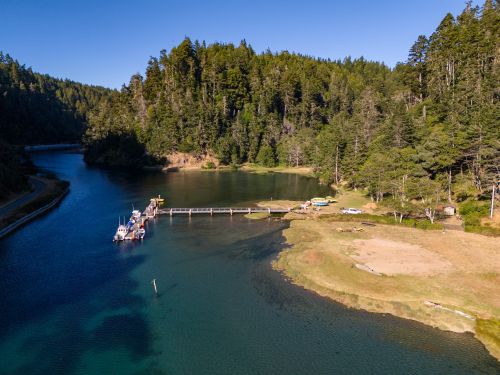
(46, 195)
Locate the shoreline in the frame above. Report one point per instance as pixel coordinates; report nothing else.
(314, 260)
(249, 168)
(52, 194)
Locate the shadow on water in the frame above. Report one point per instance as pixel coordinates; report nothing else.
(58, 345)
(64, 291)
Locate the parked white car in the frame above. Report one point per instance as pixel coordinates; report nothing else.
(352, 211)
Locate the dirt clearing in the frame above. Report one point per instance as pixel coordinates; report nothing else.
(392, 258)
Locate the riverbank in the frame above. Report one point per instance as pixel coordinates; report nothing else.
(192, 164)
(255, 168)
(446, 279)
(52, 147)
(46, 194)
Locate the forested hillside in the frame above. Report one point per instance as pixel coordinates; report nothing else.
(431, 123)
(14, 169)
(38, 109)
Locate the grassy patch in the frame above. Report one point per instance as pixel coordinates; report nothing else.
(351, 198)
(480, 229)
(488, 331)
(256, 168)
(257, 215)
(472, 212)
(378, 219)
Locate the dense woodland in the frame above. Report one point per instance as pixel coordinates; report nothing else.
(37, 109)
(427, 128)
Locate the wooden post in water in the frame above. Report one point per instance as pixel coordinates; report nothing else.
(154, 286)
(231, 211)
(190, 210)
(211, 212)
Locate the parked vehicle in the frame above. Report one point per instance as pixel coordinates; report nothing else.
(351, 211)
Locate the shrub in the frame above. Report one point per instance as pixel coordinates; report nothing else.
(413, 223)
(266, 156)
(473, 211)
(209, 165)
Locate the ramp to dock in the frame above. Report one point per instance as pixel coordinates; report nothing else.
(220, 210)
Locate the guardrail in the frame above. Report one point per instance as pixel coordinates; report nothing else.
(25, 219)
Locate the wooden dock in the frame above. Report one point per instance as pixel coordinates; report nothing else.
(134, 229)
(220, 210)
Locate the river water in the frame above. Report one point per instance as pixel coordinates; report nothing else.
(72, 302)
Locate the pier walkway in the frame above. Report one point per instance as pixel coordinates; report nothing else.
(220, 210)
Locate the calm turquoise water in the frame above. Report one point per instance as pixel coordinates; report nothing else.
(72, 302)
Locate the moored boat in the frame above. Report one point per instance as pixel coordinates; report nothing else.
(136, 214)
(319, 201)
(139, 233)
(121, 233)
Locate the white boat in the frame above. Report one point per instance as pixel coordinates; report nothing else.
(121, 232)
(139, 233)
(320, 201)
(136, 215)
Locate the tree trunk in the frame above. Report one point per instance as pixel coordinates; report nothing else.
(492, 208)
(337, 165)
(449, 185)
(429, 212)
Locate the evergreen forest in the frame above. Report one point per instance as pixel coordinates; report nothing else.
(427, 129)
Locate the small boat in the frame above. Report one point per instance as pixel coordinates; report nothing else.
(136, 214)
(150, 211)
(319, 202)
(139, 233)
(121, 232)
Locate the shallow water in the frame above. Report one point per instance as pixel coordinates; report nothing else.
(72, 302)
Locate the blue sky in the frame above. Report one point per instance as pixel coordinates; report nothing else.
(105, 42)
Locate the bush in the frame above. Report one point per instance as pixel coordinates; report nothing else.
(266, 156)
(389, 220)
(209, 165)
(472, 211)
(480, 229)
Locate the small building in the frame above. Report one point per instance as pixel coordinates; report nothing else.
(449, 210)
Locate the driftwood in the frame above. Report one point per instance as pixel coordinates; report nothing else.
(349, 230)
